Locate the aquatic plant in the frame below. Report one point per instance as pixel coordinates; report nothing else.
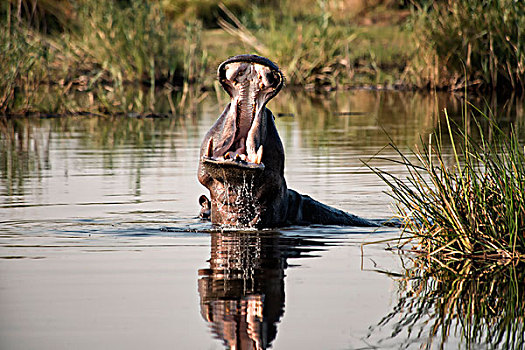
(483, 38)
(481, 304)
(472, 208)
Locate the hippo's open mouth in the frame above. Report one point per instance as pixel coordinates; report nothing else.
(251, 81)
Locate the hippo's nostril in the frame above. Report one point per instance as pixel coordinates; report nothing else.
(270, 77)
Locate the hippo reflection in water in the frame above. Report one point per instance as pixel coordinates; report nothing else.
(242, 292)
(242, 157)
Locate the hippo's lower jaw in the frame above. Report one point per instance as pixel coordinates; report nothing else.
(230, 168)
(234, 203)
(242, 157)
(233, 159)
(240, 194)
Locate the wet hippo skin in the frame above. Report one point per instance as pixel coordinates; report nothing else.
(242, 157)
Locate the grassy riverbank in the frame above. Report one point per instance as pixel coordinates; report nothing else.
(104, 48)
(475, 43)
(97, 48)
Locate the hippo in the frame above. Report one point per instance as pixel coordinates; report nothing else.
(242, 158)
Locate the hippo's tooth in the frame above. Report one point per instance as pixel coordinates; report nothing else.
(227, 155)
(237, 157)
(258, 158)
(243, 157)
(209, 149)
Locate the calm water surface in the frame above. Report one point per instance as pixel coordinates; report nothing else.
(100, 246)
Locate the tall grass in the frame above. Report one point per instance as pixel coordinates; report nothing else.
(320, 44)
(98, 47)
(24, 62)
(207, 11)
(484, 38)
(119, 43)
(108, 41)
(309, 51)
(473, 208)
(108, 46)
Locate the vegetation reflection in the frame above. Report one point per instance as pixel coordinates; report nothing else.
(480, 304)
(29, 146)
(350, 120)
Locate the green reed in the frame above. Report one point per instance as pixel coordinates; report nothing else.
(483, 38)
(24, 62)
(107, 46)
(118, 43)
(469, 206)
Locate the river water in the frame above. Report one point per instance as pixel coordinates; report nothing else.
(100, 246)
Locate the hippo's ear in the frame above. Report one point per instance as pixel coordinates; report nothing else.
(204, 201)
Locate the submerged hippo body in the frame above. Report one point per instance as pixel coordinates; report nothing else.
(242, 157)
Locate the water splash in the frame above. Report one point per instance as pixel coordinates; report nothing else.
(241, 206)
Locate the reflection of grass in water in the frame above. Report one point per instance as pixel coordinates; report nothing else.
(25, 143)
(481, 304)
(357, 119)
(22, 153)
(474, 209)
